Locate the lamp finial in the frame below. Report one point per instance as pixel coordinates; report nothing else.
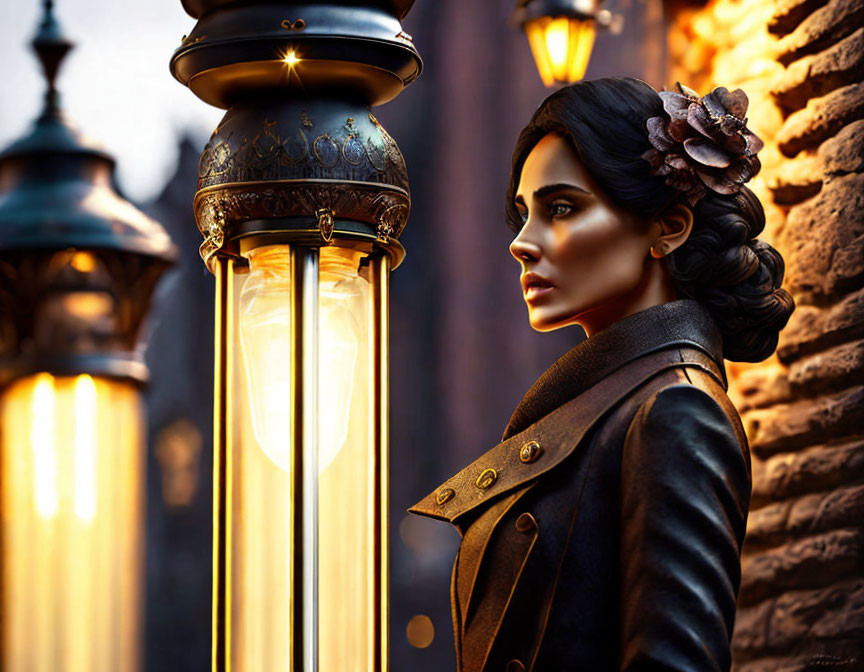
(51, 47)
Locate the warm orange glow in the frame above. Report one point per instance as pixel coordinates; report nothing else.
(71, 456)
(83, 262)
(261, 591)
(561, 47)
(291, 59)
(89, 305)
(420, 631)
(346, 545)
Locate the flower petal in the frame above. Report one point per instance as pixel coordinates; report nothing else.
(738, 173)
(755, 165)
(735, 144)
(754, 143)
(674, 104)
(713, 102)
(698, 118)
(729, 124)
(680, 130)
(736, 103)
(707, 153)
(686, 91)
(677, 162)
(658, 135)
(717, 182)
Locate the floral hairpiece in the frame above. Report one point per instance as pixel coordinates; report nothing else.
(703, 142)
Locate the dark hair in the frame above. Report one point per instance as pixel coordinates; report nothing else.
(722, 264)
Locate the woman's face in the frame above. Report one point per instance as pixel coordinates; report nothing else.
(584, 259)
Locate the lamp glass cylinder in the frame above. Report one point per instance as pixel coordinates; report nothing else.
(71, 455)
(301, 460)
(561, 46)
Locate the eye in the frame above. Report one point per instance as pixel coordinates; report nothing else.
(523, 212)
(561, 209)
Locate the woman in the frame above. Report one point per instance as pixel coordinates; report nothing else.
(604, 532)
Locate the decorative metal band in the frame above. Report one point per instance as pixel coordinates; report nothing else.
(317, 148)
(220, 209)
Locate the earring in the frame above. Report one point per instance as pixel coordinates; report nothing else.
(659, 253)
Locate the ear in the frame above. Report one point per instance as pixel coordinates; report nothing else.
(675, 225)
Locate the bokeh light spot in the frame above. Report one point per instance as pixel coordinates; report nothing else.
(420, 631)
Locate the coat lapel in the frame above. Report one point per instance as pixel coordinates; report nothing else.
(475, 543)
(555, 437)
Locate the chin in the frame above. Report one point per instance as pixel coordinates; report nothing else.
(541, 320)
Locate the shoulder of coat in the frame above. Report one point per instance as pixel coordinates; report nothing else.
(545, 444)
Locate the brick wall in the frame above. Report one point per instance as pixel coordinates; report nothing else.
(801, 62)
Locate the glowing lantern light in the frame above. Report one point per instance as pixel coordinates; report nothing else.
(78, 265)
(561, 35)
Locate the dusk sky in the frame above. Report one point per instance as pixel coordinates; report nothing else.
(115, 83)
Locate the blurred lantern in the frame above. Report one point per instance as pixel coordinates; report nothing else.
(561, 35)
(301, 197)
(78, 265)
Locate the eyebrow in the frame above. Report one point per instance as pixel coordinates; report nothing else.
(552, 189)
(561, 186)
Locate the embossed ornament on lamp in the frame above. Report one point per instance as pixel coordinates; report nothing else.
(298, 166)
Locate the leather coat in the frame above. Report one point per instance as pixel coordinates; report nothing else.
(604, 532)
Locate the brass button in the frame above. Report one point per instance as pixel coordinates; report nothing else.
(529, 452)
(525, 523)
(515, 666)
(486, 478)
(444, 495)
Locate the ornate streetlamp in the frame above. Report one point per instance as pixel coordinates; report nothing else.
(561, 35)
(301, 198)
(78, 265)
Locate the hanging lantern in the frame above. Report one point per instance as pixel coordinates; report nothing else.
(302, 196)
(78, 265)
(561, 35)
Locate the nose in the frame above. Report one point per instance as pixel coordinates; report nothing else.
(524, 249)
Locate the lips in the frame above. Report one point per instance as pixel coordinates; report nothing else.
(535, 286)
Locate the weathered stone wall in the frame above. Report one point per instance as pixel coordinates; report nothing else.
(801, 62)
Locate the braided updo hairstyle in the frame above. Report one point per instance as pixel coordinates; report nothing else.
(722, 264)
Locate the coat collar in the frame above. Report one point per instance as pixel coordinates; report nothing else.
(683, 322)
(543, 445)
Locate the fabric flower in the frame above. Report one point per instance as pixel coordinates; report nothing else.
(703, 142)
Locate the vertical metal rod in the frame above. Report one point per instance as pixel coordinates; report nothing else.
(304, 469)
(381, 321)
(224, 314)
(310, 451)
